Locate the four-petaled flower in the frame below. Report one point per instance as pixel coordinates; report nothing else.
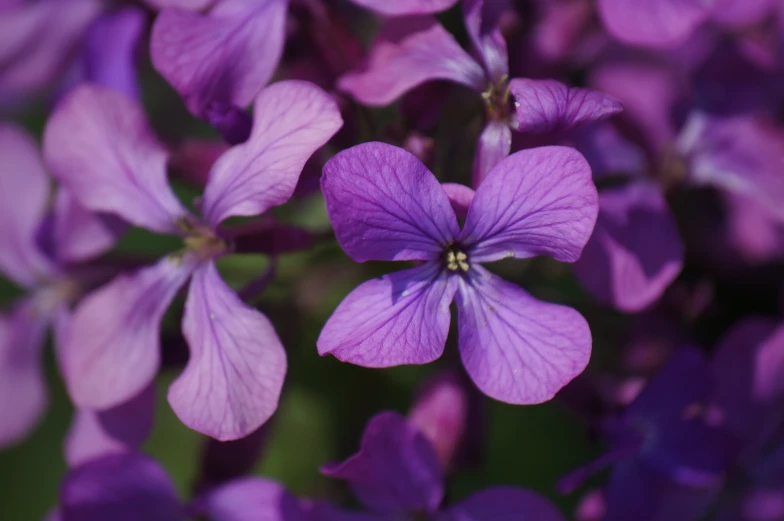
(384, 204)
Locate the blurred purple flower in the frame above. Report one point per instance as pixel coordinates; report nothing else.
(412, 50)
(397, 472)
(43, 252)
(219, 61)
(384, 204)
(406, 7)
(99, 145)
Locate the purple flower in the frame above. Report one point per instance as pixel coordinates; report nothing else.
(406, 7)
(397, 472)
(411, 51)
(219, 61)
(99, 145)
(384, 204)
(43, 251)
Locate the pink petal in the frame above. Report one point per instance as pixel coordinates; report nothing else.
(24, 194)
(406, 7)
(99, 145)
(233, 379)
(540, 201)
(22, 382)
(401, 318)
(550, 106)
(653, 23)
(292, 119)
(111, 349)
(635, 252)
(407, 53)
(494, 145)
(191, 5)
(384, 204)
(396, 469)
(460, 197)
(502, 504)
(515, 348)
(223, 57)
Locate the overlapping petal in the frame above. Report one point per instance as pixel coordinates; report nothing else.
(550, 106)
(635, 251)
(121, 487)
(237, 364)
(494, 145)
(111, 346)
(460, 197)
(384, 204)
(482, 19)
(292, 119)
(98, 144)
(22, 382)
(502, 504)
(252, 499)
(223, 57)
(408, 52)
(653, 23)
(24, 193)
(396, 469)
(79, 234)
(535, 202)
(401, 318)
(406, 7)
(516, 348)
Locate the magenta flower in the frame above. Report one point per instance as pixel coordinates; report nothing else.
(384, 204)
(219, 61)
(406, 7)
(99, 145)
(410, 51)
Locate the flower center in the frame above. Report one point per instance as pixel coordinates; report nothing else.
(202, 240)
(455, 259)
(496, 99)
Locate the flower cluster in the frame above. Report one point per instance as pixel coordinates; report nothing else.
(206, 195)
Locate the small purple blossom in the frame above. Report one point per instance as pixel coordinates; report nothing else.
(384, 204)
(99, 145)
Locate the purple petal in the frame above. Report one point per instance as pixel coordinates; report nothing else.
(396, 469)
(502, 504)
(292, 119)
(441, 414)
(747, 368)
(494, 145)
(406, 7)
(460, 197)
(550, 106)
(225, 56)
(742, 155)
(635, 251)
(192, 5)
(482, 20)
(648, 93)
(407, 53)
(233, 379)
(653, 23)
(98, 144)
(516, 348)
(120, 487)
(79, 234)
(740, 13)
(608, 152)
(94, 434)
(111, 347)
(38, 39)
(24, 193)
(535, 202)
(401, 318)
(384, 204)
(22, 383)
(252, 499)
(111, 50)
